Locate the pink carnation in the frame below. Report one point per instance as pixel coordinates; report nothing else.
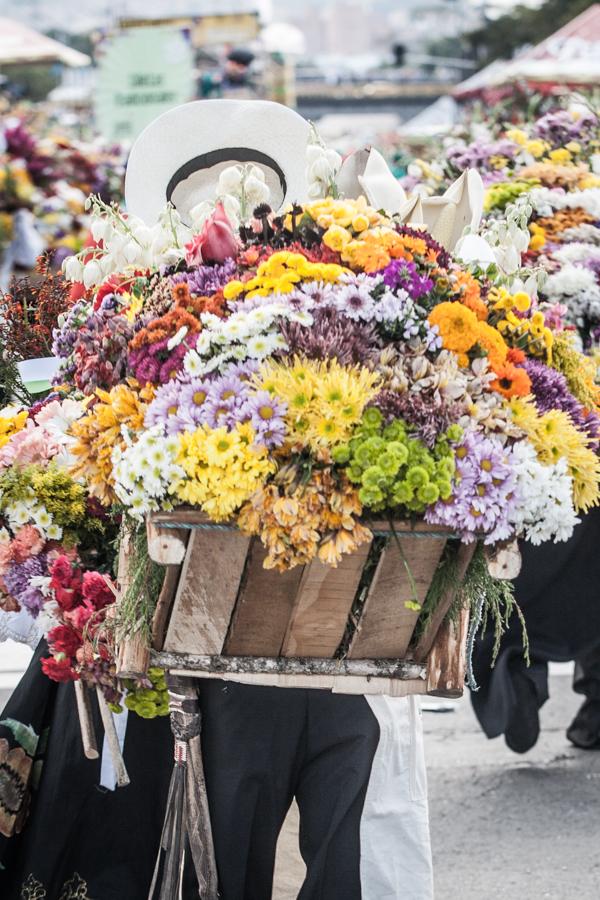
(30, 445)
(28, 542)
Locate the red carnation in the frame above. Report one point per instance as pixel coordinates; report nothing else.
(96, 590)
(59, 669)
(61, 572)
(64, 640)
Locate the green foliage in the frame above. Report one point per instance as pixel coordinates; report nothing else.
(477, 586)
(396, 470)
(136, 608)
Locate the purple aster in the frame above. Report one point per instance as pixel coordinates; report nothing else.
(401, 273)
(164, 409)
(244, 371)
(192, 400)
(355, 301)
(559, 127)
(483, 496)
(32, 600)
(18, 576)
(207, 280)
(218, 413)
(228, 386)
(266, 413)
(551, 391)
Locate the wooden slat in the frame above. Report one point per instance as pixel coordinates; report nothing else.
(164, 605)
(321, 608)
(263, 609)
(446, 663)
(208, 588)
(465, 555)
(387, 625)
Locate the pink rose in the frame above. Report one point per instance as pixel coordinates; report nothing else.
(215, 243)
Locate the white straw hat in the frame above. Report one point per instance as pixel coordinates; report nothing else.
(180, 155)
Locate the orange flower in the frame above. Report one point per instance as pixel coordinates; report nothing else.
(368, 254)
(493, 343)
(469, 293)
(458, 326)
(511, 381)
(181, 294)
(516, 356)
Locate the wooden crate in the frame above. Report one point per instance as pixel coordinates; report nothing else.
(221, 614)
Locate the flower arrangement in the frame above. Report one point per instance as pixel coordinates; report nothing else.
(298, 375)
(328, 366)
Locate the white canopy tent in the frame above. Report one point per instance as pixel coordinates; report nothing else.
(571, 57)
(19, 44)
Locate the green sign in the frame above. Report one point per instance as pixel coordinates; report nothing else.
(142, 73)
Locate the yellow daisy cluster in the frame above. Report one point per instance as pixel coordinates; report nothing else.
(538, 236)
(10, 423)
(324, 399)
(579, 370)
(280, 273)
(100, 431)
(224, 468)
(354, 215)
(527, 334)
(316, 519)
(553, 436)
(535, 147)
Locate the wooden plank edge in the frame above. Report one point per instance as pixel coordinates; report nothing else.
(465, 555)
(344, 684)
(164, 605)
(280, 665)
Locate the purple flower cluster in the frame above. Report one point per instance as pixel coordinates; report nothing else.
(207, 280)
(551, 391)
(559, 127)
(101, 348)
(219, 402)
(65, 337)
(477, 154)
(158, 363)
(401, 273)
(17, 579)
(331, 336)
(429, 417)
(483, 496)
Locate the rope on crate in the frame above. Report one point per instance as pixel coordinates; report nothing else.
(215, 526)
(187, 814)
(473, 629)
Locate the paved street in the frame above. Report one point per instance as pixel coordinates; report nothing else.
(504, 827)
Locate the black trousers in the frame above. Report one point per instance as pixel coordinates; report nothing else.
(262, 747)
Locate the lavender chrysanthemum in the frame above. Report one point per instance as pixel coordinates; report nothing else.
(265, 414)
(484, 497)
(165, 407)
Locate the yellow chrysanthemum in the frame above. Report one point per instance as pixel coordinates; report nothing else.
(554, 436)
(10, 423)
(324, 399)
(223, 469)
